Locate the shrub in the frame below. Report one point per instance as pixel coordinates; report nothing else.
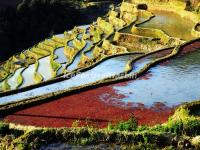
(159, 128)
(75, 124)
(4, 128)
(142, 128)
(192, 127)
(110, 126)
(130, 125)
(175, 126)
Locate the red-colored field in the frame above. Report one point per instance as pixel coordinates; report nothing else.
(89, 107)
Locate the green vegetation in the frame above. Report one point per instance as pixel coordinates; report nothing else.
(79, 44)
(116, 22)
(22, 56)
(46, 47)
(105, 26)
(130, 125)
(161, 136)
(40, 51)
(156, 33)
(182, 129)
(96, 34)
(60, 42)
(70, 52)
(54, 65)
(3, 74)
(5, 85)
(142, 43)
(37, 76)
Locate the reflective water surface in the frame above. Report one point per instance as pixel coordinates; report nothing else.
(105, 69)
(173, 83)
(171, 23)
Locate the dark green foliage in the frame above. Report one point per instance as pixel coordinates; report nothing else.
(130, 125)
(192, 128)
(4, 128)
(176, 127)
(142, 128)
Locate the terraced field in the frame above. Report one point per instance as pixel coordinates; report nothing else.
(132, 61)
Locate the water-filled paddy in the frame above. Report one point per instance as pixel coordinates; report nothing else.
(105, 69)
(13, 80)
(171, 23)
(75, 62)
(60, 70)
(61, 58)
(28, 76)
(172, 84)
(70, 43)
(45, 68)
(139, 64)
(151, 98)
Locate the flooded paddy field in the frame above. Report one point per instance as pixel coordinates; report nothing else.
(105, 69)
(116, 102)
(171, 23)
(129, 80)
(151, 97)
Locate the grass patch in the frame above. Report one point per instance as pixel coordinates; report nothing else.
(105, 26)
(5, 85)
(79, 44)
(37, 76)
(54, 65)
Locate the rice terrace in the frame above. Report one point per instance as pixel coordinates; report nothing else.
(127, 80)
